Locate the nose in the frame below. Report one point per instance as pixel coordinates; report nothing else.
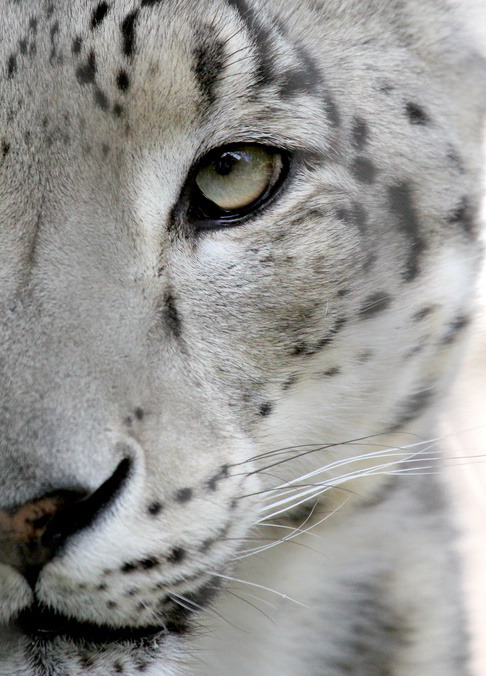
(32, 534)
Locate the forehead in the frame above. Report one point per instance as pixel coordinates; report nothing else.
(149, 66)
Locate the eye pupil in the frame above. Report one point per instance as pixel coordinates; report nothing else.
(225, 163)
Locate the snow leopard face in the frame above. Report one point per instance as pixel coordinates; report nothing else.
(227, 229)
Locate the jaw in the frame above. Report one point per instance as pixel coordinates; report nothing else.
(156, 653)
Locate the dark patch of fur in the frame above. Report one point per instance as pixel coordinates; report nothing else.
(402, 208)
(374, 304)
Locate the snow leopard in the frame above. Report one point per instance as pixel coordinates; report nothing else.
(239, 243)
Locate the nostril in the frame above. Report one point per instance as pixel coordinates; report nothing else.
(33, 533)
(82, 514)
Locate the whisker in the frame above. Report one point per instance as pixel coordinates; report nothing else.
(260, 586)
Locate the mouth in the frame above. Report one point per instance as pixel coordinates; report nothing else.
(46, 625)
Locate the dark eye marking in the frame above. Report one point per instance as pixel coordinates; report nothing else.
(208, 64)
(172, 316)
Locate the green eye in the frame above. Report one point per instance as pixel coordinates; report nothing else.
(233, 181)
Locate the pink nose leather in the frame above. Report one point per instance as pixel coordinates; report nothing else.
(29, 522)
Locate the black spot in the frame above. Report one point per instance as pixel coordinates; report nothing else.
(416, 114)
(86, 73)
(462, 216)
(139, 413)
(302, 80)
(263, 40)
(364, 170)
(123, 81)
(374, 304)
(5, 149)
(184, 495)
(128, 33)
(11, 65)
(208, 63)
(102, 587)
(177, 555)
(423, 313)
(76, 45)
(330, 373)
(265, 409)
(303, 348)
(118, 668)
(291, 380)
(413, 407)
(33, 25)
(332, 111)
(155, 508)
(401, 207)
(354, 215)
(128, 568)
(148, 563)
(454, 157)
(416, 349)
(111, 604)
(150, 3)
(53, 34)
(23, 46)
(101, 100)
(99, 14)
(117, 110)
(365, 356)
(171, 315)
(299, 348)
(359, 133)
(105, 149)
(223, 473)
(206, 545)
(454, 328)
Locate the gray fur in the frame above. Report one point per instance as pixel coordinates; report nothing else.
(327, 325)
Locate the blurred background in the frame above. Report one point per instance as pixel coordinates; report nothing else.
(464, 424)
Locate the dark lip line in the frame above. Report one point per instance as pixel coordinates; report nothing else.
(45, 625)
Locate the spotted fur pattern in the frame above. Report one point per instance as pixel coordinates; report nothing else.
(288, 368)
